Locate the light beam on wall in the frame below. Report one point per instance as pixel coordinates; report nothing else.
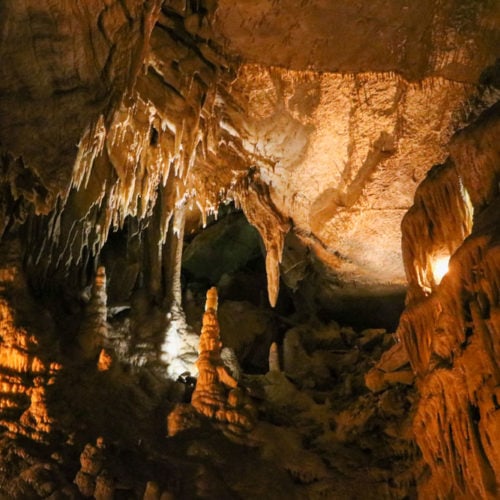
(440, 268)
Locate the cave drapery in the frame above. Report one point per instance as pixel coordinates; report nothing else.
(359, 140)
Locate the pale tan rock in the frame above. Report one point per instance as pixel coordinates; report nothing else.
(261, 212)
(271, 37)
(375, 380)
(94, 329)
(230, 361)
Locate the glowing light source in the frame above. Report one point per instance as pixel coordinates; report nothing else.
(440, 268)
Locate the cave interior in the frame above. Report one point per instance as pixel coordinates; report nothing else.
(249, 249)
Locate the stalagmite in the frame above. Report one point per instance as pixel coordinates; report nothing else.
(217, 395)
(274, 359)
(94, 331)
(92, 462)
(127, 127)
(179, 346)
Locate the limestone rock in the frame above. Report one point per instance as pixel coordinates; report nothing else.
(393, 359)
(123, 122)
(181, 418)
(216, 394)
(179, 349)
(296, 361)
(274, 360)
(90, 479)
(248, 330)
(94, 330)
(449, 334)
(390, 369)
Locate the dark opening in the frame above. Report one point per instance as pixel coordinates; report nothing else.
(154, 137)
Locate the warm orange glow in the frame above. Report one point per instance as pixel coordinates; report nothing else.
(440, 268)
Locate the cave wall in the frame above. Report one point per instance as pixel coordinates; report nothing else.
(126, 119)
(159, 108)
(450, 328)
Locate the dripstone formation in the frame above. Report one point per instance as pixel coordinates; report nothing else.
(211, 215)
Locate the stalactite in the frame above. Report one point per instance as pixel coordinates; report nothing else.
(476, 153)
(434, 227)
(141, 151)
(89, 148)
(451, 336)
(172, 257)
(260, 211)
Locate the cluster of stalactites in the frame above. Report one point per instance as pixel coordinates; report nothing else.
(134, 160)
(452, 336)
(437, 223)
(167, 144)
(453, 345)
(449, 199)
(476, 153)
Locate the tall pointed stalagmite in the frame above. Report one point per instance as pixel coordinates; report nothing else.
(216, 394)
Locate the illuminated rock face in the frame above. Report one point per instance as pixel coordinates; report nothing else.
(124, 125)
(152, 114)
(27, 371)
(450, 329)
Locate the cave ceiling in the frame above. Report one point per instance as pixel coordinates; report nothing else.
(315, 117)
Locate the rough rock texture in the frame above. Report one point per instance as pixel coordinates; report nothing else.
(343, 37)
(216, 394)
(343, 155)
(126, 126)
(28, 363)
(169, 119)
(450, 329)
